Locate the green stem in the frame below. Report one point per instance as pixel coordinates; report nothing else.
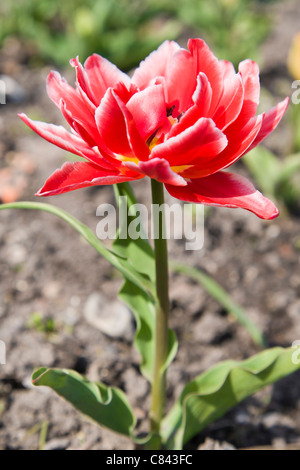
(158, 392)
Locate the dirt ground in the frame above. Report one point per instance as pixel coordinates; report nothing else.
(47, 272)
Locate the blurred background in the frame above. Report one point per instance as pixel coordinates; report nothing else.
(49, 302)
(126, 31)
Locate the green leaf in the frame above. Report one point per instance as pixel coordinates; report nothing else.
(214, 392)
(139, 252)
(218, 293)
(143, 309)
(121, 264)
(144, 312)
(107, 406)
(172, 349)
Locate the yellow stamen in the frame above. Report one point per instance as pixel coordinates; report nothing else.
(153, 143)
(127, 159)
(180, 168)
(172, 120)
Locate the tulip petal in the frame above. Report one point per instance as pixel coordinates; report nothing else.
(231, 102)
(102, 74)
(78, 127)
(58, 88)
(203, 94)
(111, 125)
(226, 189)
(117, 128)
(155, 65)
(125, 93)
(227, 69)
(270, 121)
(202, 99)
(78, 175)
(139, 148)
(148, 109)
(201, 141)
(60, 137)
(82, 82)
(207, 63)
(158, 169)
(239, 141)
(250, 76)
(179, 90)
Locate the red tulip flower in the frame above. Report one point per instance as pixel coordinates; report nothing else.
(182, 119)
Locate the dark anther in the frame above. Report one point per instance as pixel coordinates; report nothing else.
(149, 140)
(170, 110)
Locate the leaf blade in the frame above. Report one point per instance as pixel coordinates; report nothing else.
(140, 253)
(213, 393)
(107, 406)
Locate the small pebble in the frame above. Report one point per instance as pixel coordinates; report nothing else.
(111, 317)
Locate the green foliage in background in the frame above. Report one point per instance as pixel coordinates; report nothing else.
(295, 123)
(233, 28)
(125, 31)
(277, 178)
(39, 323)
